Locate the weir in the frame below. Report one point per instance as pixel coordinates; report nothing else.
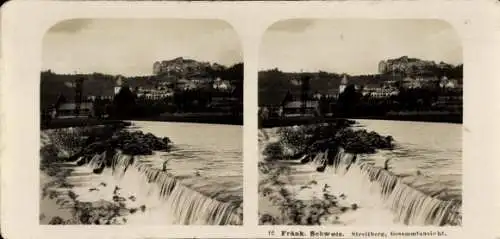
(185, 206)
(410, 206)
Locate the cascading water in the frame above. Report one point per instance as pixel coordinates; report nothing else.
(167, 199)
(381, 197)
(410, 206)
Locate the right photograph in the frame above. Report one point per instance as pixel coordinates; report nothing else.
(360, 123)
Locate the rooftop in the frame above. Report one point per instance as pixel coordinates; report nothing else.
(72, 106)
(298, 104)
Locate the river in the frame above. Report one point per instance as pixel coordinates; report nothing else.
(427, 157)
(203, 178)
(207, 157)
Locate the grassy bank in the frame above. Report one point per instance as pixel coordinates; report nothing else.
(436, 117)
(291, 121)
(200, 118)
(78, 122)
(415, 116)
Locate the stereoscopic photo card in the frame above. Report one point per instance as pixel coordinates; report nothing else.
(305, 119)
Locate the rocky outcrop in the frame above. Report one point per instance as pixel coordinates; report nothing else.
(182, 67)
(413, 66)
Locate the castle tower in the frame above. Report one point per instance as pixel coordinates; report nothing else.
(157, 68)
(382, 67)
(343, 84)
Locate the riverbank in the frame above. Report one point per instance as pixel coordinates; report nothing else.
(79, 122)
(435, 117)
(415, 117)
(200, 118)
(297, 120)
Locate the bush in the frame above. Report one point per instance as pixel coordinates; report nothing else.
(97, 140)
(273, 151)
(315, 138)
(56, 221)
(362, 141)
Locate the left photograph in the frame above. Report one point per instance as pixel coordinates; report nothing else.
(141, 122)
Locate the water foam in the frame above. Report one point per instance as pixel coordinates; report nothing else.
(410, 206)
(168, 200)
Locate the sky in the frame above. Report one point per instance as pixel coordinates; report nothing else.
(129, 47)
(355, 46)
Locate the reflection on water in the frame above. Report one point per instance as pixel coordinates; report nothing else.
(428, 155)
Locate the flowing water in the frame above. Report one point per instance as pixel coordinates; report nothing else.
(201, 184)
(207, 157)
(424, 163)
(427, 155)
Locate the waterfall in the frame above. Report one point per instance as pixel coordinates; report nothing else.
(410, 206)
(179, 203)
(187, 206)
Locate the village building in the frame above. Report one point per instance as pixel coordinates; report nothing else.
(412, 83)
(223, 85)
(317, 96)
(378, 92)
(294, 108)
(154, 93)
(69, 110)
(448, 83)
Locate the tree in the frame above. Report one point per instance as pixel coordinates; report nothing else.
(349, 100)
(124, 102)
(306, 85)
(60, 100)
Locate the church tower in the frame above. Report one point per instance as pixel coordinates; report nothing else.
(118, 85)
(343, 84)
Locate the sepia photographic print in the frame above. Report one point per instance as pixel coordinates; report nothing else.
(141, 123)
(360, 123)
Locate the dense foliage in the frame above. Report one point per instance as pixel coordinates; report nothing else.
(317, 138)
(137, 143)
(363, 141)
(85, 143)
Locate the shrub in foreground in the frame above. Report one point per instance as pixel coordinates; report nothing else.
(314, 138)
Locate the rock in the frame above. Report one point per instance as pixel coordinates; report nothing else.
(99, 170)
(56, 221)
(321, 168)
(81, 161)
